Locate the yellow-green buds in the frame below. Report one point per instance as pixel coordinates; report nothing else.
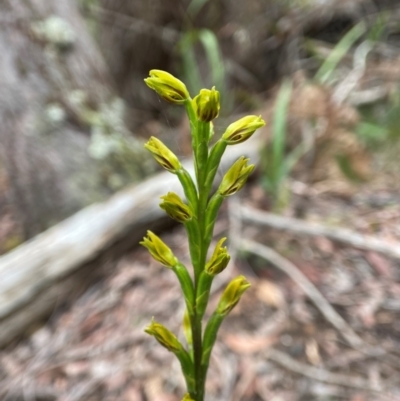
(159, 250)
(163, 336)
(206, 104)
(235, 177)
(163, 155)
(187, 397)
(175, 208)
(167, 86)
(232, 294)
(219, 260)
(242, 129)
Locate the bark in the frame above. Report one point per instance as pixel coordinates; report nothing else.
(63, 141)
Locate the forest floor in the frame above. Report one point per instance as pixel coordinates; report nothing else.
(320, 322)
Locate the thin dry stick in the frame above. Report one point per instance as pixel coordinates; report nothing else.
(320, 374)
(310, 290)
(337, 234)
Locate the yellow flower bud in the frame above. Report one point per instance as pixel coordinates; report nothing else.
(219, 260)
(163, 155)
(158, 250)
(235, 177)
(187, 397)
(242, 129)
(175, 208)
(167, 86)
(163, 336)
(206, 104)
(232, 294)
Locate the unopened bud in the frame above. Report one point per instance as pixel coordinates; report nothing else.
(242, 129)
(235, 177)
(163, 336)
(219, 260)
(206, 104)
(175, 208)
(167, 86)
(232, 294)
(163, 155)
(158, 250)
(187, 397)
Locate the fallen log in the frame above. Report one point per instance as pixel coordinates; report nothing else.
(60, 262)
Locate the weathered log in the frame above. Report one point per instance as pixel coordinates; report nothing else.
(63, 140)
(62, 260)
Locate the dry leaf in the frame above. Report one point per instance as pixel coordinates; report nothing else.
(312, 352)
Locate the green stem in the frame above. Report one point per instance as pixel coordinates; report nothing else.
(194, 236)
(213, 163)
(186, 285)
(197, 356)
(210, 335)
(189, 188)
(211, 215)
(187, 369)
(203, 293)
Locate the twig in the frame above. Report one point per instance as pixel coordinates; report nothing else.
(320, 374)
(310, 290)
(337, 234)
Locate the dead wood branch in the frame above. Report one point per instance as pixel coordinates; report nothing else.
(309, 289)
(336, 234)
(319, 374)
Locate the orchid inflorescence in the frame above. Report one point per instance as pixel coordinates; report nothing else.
(198, 216)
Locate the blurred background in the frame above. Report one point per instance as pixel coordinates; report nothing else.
(316, 231)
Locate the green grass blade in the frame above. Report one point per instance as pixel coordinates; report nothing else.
(191, 69)
(340, 50)
(215, 62)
